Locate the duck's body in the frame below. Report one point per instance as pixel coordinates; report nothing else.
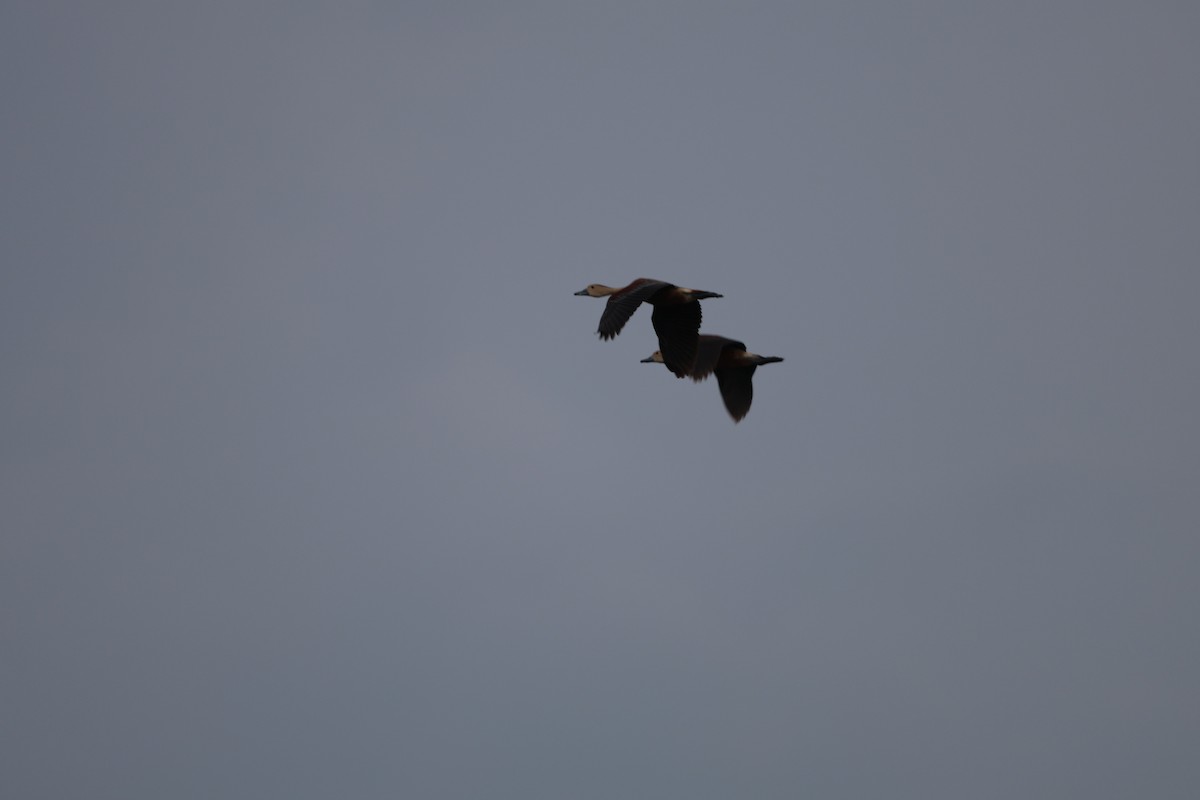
(676, 316)
(733, 366)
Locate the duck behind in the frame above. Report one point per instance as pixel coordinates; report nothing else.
(733, 366)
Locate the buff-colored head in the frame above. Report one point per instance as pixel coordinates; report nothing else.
(655, 358)
(595, 290)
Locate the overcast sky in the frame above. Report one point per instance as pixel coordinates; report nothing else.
(315, 480)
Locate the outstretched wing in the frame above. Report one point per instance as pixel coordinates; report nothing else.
(708, 354)
(737, 390)
(677, 327)
(620, 306)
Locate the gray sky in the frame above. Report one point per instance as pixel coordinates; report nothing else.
(316, 482)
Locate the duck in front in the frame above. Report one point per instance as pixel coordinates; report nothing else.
(676, 316)
(733, 366)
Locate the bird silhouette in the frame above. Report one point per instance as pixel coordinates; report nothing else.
(733, 366)
(676, 316)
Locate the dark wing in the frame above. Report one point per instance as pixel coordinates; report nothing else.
(708, 354)
(677, 327)
(736, 390)
(620, 306)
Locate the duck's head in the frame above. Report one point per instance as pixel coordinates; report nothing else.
(595, 290)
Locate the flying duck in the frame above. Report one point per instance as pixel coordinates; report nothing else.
(676, 316)
(733, 366)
